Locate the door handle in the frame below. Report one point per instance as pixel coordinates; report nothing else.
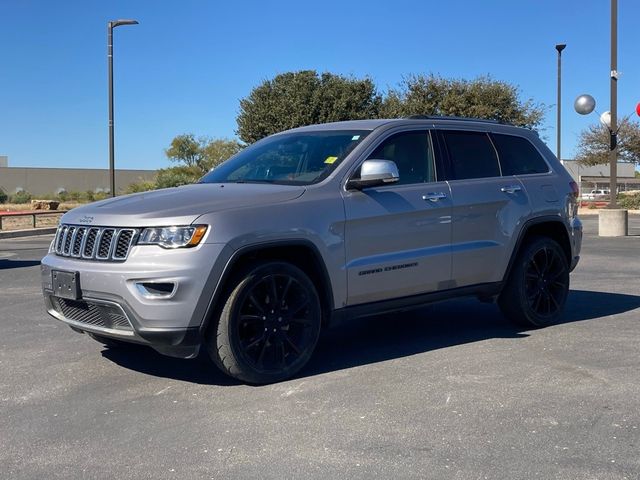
(434, 196)
(511, 188)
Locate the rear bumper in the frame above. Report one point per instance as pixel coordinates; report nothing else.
(575, 233)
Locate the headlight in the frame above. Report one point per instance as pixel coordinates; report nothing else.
(173, 237)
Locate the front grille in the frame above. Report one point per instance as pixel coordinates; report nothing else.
(104, 246)
(95, 243)
(91, 313)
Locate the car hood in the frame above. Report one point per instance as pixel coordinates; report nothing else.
(180, 205)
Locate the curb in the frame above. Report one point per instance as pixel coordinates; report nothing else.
(27, 233)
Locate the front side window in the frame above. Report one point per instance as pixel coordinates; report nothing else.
(412, 154)
(299, 158)
(518, 156)
(471, 155)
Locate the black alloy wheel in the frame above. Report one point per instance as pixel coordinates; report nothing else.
(537, 288)
(545, 282)
(269, 325)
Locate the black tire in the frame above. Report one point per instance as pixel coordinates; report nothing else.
(269, 324)
(537, 288)
(109, 342)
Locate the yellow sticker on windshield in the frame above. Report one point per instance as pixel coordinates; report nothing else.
(330, 159)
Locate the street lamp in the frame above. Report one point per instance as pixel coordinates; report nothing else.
(559, 47)
(110, 26)
(585, 104)
(612, 221)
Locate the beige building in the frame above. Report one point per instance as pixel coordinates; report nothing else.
(41, 181)
(597, 176)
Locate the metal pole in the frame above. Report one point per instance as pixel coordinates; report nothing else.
(112, 173)
(613, 154)
(559, 48)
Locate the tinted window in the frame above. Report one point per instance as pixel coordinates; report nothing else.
(412, 153)
(298, 158)
(518, 156)
(471, 155)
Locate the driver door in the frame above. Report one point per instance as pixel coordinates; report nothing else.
(398, 235)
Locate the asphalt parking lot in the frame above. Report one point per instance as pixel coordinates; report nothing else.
(448, 391)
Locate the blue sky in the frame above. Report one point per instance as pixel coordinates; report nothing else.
(187, 64)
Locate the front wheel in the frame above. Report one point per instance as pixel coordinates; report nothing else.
(268, 326)
(537, 288)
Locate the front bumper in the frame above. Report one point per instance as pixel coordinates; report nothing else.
(113, 305)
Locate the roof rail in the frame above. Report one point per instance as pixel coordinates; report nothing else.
(445, 117)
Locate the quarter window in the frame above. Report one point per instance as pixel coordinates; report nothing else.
(518, 156)
(412, 153)
(471, 155)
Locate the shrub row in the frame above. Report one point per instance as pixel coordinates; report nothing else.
(26, 197)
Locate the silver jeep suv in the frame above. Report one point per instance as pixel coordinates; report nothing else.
(318, 224)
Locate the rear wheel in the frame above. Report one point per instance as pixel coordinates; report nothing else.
(537, 288)
(268, 326)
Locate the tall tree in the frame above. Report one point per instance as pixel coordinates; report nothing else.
(194, 157)
(203, 153)
(216, 151)
(301, 98)
(593, 144)
(185, 149)
(482, 97)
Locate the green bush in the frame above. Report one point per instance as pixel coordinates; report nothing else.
(100, 195)
(140, 187)
(21, 197)
(3, 196)
(176, 176)
(630, 202)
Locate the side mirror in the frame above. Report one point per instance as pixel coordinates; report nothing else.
(374, 173)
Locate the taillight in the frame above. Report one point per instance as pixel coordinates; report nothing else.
(574, 189)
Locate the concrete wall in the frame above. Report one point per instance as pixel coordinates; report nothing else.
(40, 181)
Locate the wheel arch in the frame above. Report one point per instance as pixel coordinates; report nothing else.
(547, 226)
(301, 253)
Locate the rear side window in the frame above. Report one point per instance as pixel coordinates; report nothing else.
(471, 155)
(518, 156)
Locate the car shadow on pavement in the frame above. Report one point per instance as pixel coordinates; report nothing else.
(146, 360)
(363, 341)
(6, 264)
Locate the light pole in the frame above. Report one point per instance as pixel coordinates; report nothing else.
(613, 128)
(559, 47)
(613, 222)
(110, 26)
(585, 104)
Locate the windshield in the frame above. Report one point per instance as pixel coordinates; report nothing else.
(290, 159)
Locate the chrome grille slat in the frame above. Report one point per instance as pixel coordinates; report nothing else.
(123, 243)
(60, 238)
(95, 243)
(104, 245)
(78, 237)
(90, 243)
(68, 239)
